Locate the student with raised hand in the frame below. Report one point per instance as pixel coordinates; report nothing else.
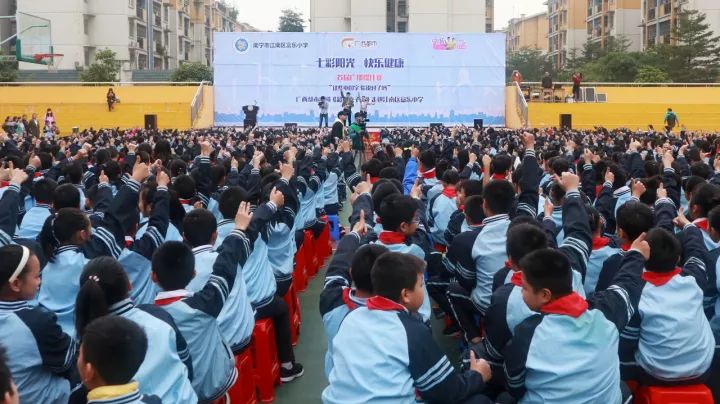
(112, 351)
(41, 354)
(167, 368)
(34, 218)
(69, 242)
(9, 204)
(347, 282)
(195, 314)
(385, 339)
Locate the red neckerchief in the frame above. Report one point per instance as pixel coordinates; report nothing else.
(384, 304)
(374, 179)
(516, 278)
(450, 191)
(599, 242)
(660, 278)
(598, 189)
(702, 224)
(625, 247)
(346, 298)
(429, 174)
(572, 305)
(128, 241)
(185, 201)
(4, 184)
(37, 174)
(167, 301)
(498, 177)
(391, 237)
(461, 208)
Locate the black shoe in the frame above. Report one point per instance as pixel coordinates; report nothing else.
(288, 375)
(452, 330)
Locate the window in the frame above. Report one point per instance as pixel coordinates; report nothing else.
(402, 26)
(391, 15)
(86, 56)
(402, 10)
(86, 24)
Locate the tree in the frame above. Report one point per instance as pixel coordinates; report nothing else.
(8, 71)
(105, 68)
(531, 63)
(291, 21)
(651, 74)
(192, 71)
(619, 67)
(696, 55)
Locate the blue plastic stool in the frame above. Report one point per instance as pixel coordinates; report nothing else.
(334, 227)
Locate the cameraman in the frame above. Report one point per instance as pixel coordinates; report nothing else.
(323, 104)
(358, 134)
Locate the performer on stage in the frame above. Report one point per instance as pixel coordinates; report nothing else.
(348, 104)
(251, 112)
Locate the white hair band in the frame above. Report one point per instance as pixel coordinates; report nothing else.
(21, 264)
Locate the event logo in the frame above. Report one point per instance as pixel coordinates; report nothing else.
(448, 44)
(242, 45)
(352, 43)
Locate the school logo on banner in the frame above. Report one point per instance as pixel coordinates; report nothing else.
(242, 45)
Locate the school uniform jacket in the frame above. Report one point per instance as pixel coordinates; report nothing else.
(383, 342)
(166, 371)
(337, 298)
(195, 316)
(568, 352)
(9, 213)
(124, 394)
(669, 336)
(441, 210)
(33, 220)
(281, 236)
(39, 353)
(61, 276)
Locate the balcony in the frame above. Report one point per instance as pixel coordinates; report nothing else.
(140, 13)
(652, 13)
(157, 20)
(141, 43)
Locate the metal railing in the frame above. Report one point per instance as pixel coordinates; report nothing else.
(196, 103)
(100, 83)
(522, 106)
(595, 84)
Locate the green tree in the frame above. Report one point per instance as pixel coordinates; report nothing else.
(291, 21)
(696, 55)
(8, 71)
(531, 63)
(651, 74)
(192, 71)
(619, 67)
(105, 68)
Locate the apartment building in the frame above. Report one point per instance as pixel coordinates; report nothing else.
(145, 34)
(401, 16)
(614, 18)
(567, 29)
(528, 32)
(659, 17)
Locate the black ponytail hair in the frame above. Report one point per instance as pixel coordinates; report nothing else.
(103, 283)
(10, 256)
(59, 229)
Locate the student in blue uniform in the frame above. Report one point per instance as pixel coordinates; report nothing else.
(112, 351)
(441, 209)
(347, 282)
(41, 354)
(195, 314)
(166, 371)
(8, 389)
(32, 222)
(384, 352)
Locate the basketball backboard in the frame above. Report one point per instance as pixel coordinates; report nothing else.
(34, 39)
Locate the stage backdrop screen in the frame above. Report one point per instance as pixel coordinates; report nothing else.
(409, 79)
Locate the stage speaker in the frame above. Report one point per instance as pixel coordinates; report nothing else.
(291, 126)
(435, 125)
(566, 121)
(478, 123)
(150, 121)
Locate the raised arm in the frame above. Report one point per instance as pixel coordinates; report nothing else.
(159, 221)
(577, 243)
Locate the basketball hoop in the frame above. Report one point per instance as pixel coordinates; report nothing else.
(52, 60)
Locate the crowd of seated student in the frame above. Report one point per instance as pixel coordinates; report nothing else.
(570, 262)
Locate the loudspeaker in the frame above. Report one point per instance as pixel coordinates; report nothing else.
(150, 121)
(435, 125)
(478, 123)
(566, 121)
(291, 126)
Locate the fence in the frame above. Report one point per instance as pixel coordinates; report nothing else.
(101, 83)
(522, 105)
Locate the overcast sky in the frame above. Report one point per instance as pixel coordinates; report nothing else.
(264, 14)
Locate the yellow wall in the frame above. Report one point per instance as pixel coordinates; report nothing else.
(85, 107)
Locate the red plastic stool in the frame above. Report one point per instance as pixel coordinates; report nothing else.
(693, 394)
(325, 248)
(244, 389)
(311, 264)
(299, 275)
(264, 354)
(293, 303)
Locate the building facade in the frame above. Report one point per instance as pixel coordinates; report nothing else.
(612, 19)
(528, 32)
(567, 31)
(145, 34)
(660, 17)
(401, 16)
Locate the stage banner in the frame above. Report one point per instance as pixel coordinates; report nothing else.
(408, 79)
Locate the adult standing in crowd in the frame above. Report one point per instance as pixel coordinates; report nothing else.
(323, 104)
(33, 126)
(348, 103)
(671, 120)
(111, 99)
(338, 128)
